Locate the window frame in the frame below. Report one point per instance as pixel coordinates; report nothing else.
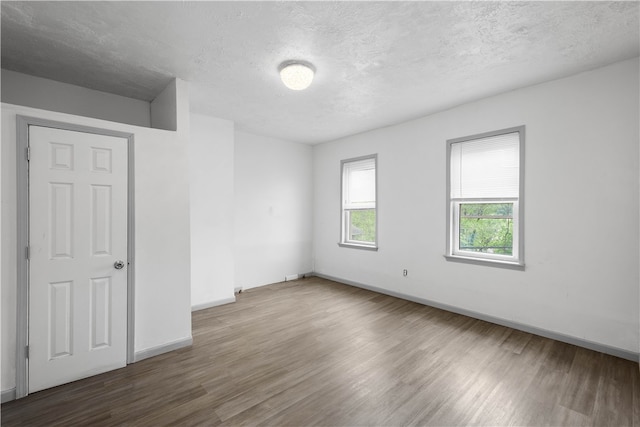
(344, 242)
(453, 253)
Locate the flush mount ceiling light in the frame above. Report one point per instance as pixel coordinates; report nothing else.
(296, 75)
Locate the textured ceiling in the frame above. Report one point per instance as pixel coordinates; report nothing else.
(378, 63)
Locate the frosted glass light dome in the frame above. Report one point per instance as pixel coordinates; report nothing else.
(296, 75)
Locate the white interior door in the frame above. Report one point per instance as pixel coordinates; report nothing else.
(77, 235)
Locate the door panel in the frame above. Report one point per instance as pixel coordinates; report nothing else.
(77, 231)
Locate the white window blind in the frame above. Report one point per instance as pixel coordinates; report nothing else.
(486, 167)
(360, 184)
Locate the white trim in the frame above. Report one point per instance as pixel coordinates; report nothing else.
(358, 246)
(22, 279)
(215, 303)
(161, 349)
(131, 251)
(486, 261)
(603, 348)
(8, 395)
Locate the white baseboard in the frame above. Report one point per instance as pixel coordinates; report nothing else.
(8, 395)
(213, 303)
(297, 276)
(603, 348)
(161, 349)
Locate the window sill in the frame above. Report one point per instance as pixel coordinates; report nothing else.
(356, 246)
(488, 262)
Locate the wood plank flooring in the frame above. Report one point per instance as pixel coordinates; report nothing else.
(315, 352)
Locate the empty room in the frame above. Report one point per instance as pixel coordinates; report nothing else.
(325, 213)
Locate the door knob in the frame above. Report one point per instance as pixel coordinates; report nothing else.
(118, 264)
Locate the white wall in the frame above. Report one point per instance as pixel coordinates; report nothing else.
(211, 186)
(164, 108)
(36, 92)
(273, 214)
(162, 234)
(3, 237)
(581, 209)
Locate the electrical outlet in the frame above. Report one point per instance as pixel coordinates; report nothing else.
(405, 272)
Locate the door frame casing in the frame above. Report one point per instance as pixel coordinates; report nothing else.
(22, 306)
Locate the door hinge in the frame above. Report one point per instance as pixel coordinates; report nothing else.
(28, 153)
(26, 252)
(26, 352)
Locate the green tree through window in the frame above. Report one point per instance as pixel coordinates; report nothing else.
(363, 225)
(486, 227)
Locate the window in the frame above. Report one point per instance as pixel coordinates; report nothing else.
(485, 183)
(359, 220)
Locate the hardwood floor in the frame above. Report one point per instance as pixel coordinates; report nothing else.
(315, 352)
